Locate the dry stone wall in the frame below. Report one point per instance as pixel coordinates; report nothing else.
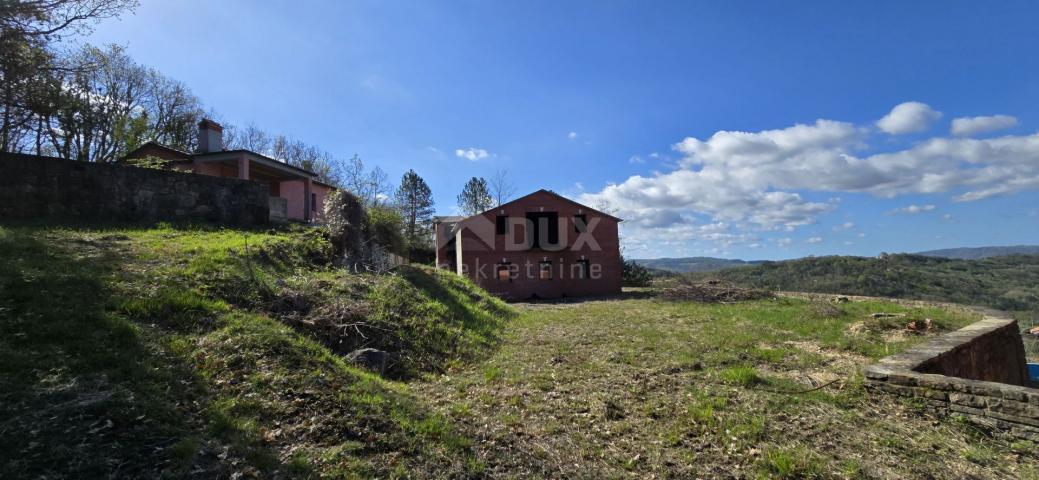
(33, 187)
(978, 371)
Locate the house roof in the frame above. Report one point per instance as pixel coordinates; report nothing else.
(448, 219)
(188, 156)
(554, 194)
(153, 143)
(260, 155)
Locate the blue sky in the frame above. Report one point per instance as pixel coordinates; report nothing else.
(639, 106)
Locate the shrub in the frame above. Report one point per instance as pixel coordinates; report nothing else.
(386, 226)
(635, 275)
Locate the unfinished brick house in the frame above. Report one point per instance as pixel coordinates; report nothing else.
(542, 245)
(296, 194)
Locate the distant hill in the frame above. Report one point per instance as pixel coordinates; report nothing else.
(692, 264)
(982, 252)
(1009, 282)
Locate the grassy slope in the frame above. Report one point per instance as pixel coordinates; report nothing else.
(642, 388)
(149, 353)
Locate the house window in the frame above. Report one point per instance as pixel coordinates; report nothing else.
(580, 223)
(502, 225)
(545, 270)
(313, 202)
(544, 228)
(504, 273)
(583, 269)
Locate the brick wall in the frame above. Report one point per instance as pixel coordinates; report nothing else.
(34, 187)
(483, 249)
(978, 371)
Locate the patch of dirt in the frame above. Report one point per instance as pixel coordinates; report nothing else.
(833, 365)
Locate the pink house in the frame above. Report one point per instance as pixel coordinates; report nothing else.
(296, 193)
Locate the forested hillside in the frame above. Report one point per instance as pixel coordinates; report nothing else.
(1007, 282)
(976, 253)
(692, 264)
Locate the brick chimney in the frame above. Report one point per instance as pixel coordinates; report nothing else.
(210, 136)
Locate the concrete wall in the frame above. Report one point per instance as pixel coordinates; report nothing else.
(34, 187)
(978, 371)
(215, 169)
(322, 193)
(483, 250)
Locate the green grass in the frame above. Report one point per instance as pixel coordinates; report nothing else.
(178, 351)
(743, 375)
(165, 351)
(795, 462)
(648, 388)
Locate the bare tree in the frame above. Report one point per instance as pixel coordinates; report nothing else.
(173, 111)
(371, 186)
(30, 87)
(100, 106)
(249, 138)
(501, 188)
(51, 19)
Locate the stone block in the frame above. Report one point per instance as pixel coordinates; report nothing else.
(967, 400)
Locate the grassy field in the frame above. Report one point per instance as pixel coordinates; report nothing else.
(210, 353)
(641, 388)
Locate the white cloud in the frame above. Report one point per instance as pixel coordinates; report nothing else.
(844, 226)
(636, 159)
(472, 154)
(914, 209)
(947, 217)
(647, 236)
(814, 240)
(966, 126)
(579, 185)
(784, 242)
(786, 178)
(571, 135)
(908, 117)
(862, 235)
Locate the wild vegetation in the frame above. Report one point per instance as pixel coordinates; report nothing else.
(1008, 283)
(170, 352)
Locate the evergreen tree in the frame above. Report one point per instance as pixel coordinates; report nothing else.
(415, 203)
(475, 197)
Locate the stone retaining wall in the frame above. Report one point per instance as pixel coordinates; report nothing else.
(34, 187)
(978, 371)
